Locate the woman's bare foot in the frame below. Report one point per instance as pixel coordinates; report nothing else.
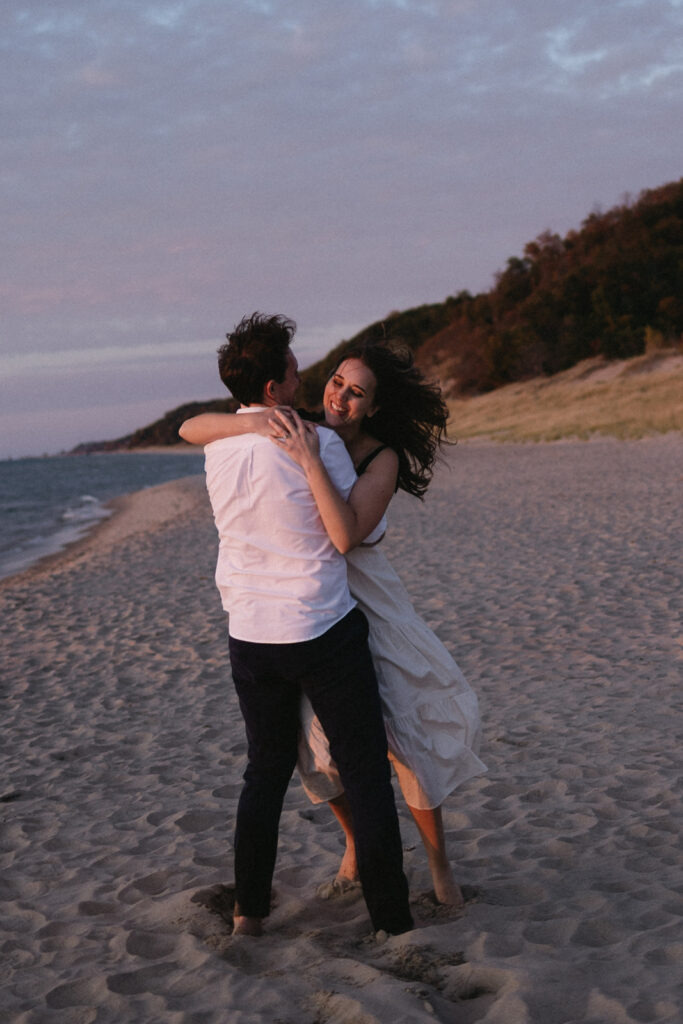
(348, 869)
(247, 926)
(447, 890)
(430, 826)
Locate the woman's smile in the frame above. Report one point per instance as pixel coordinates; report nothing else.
(340, 410)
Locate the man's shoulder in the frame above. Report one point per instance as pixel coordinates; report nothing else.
(331, 444)
(328, 436)
(228, 444)
(336, 460)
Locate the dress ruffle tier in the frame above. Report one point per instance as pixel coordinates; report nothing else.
(431, 713)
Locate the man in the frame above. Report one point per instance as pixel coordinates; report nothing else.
(294, 628)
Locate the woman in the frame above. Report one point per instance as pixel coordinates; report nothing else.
(392, 423)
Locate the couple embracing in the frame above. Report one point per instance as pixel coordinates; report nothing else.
(333, 669)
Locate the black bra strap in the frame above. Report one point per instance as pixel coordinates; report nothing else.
(364, 463)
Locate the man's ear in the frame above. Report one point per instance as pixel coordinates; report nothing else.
(268, 392)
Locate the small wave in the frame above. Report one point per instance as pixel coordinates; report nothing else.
(77, 522)
(88, 510)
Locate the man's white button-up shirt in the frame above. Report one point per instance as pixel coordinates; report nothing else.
(280, 577)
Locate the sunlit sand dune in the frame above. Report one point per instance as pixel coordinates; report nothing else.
(627, 398)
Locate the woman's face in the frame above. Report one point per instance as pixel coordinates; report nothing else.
(349, 395)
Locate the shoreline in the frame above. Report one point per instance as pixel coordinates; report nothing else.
(181, 448)
(51, 505)
(130, 512)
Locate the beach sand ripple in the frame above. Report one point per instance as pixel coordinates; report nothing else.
(553, 573)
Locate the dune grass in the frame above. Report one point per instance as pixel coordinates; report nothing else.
(625, 399)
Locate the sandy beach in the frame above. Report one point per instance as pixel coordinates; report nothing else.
(553, 574)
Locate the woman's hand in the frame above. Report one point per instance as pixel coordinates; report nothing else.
(295, 436)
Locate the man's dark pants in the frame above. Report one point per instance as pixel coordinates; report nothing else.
(336, 673)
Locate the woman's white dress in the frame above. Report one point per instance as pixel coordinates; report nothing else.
(430, 712)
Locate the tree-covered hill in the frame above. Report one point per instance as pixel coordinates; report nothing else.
(613, 288)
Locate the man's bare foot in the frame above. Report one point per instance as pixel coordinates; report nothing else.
(247, 926)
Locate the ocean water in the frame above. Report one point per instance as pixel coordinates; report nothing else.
(47, 503)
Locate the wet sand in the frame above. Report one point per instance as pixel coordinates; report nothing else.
(553, 574)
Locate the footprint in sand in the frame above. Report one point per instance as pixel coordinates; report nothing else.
(150, 945)
(219, 900)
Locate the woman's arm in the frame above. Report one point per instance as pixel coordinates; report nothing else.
(212, 426)
(347, 523)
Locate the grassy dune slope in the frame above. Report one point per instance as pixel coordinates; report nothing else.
(626, 399)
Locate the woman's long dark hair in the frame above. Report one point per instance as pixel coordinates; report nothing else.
(411, 417)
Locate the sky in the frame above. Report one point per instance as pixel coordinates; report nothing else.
(167, 167)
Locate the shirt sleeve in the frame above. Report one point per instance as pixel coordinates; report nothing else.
(337, 461)
(375, 536)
